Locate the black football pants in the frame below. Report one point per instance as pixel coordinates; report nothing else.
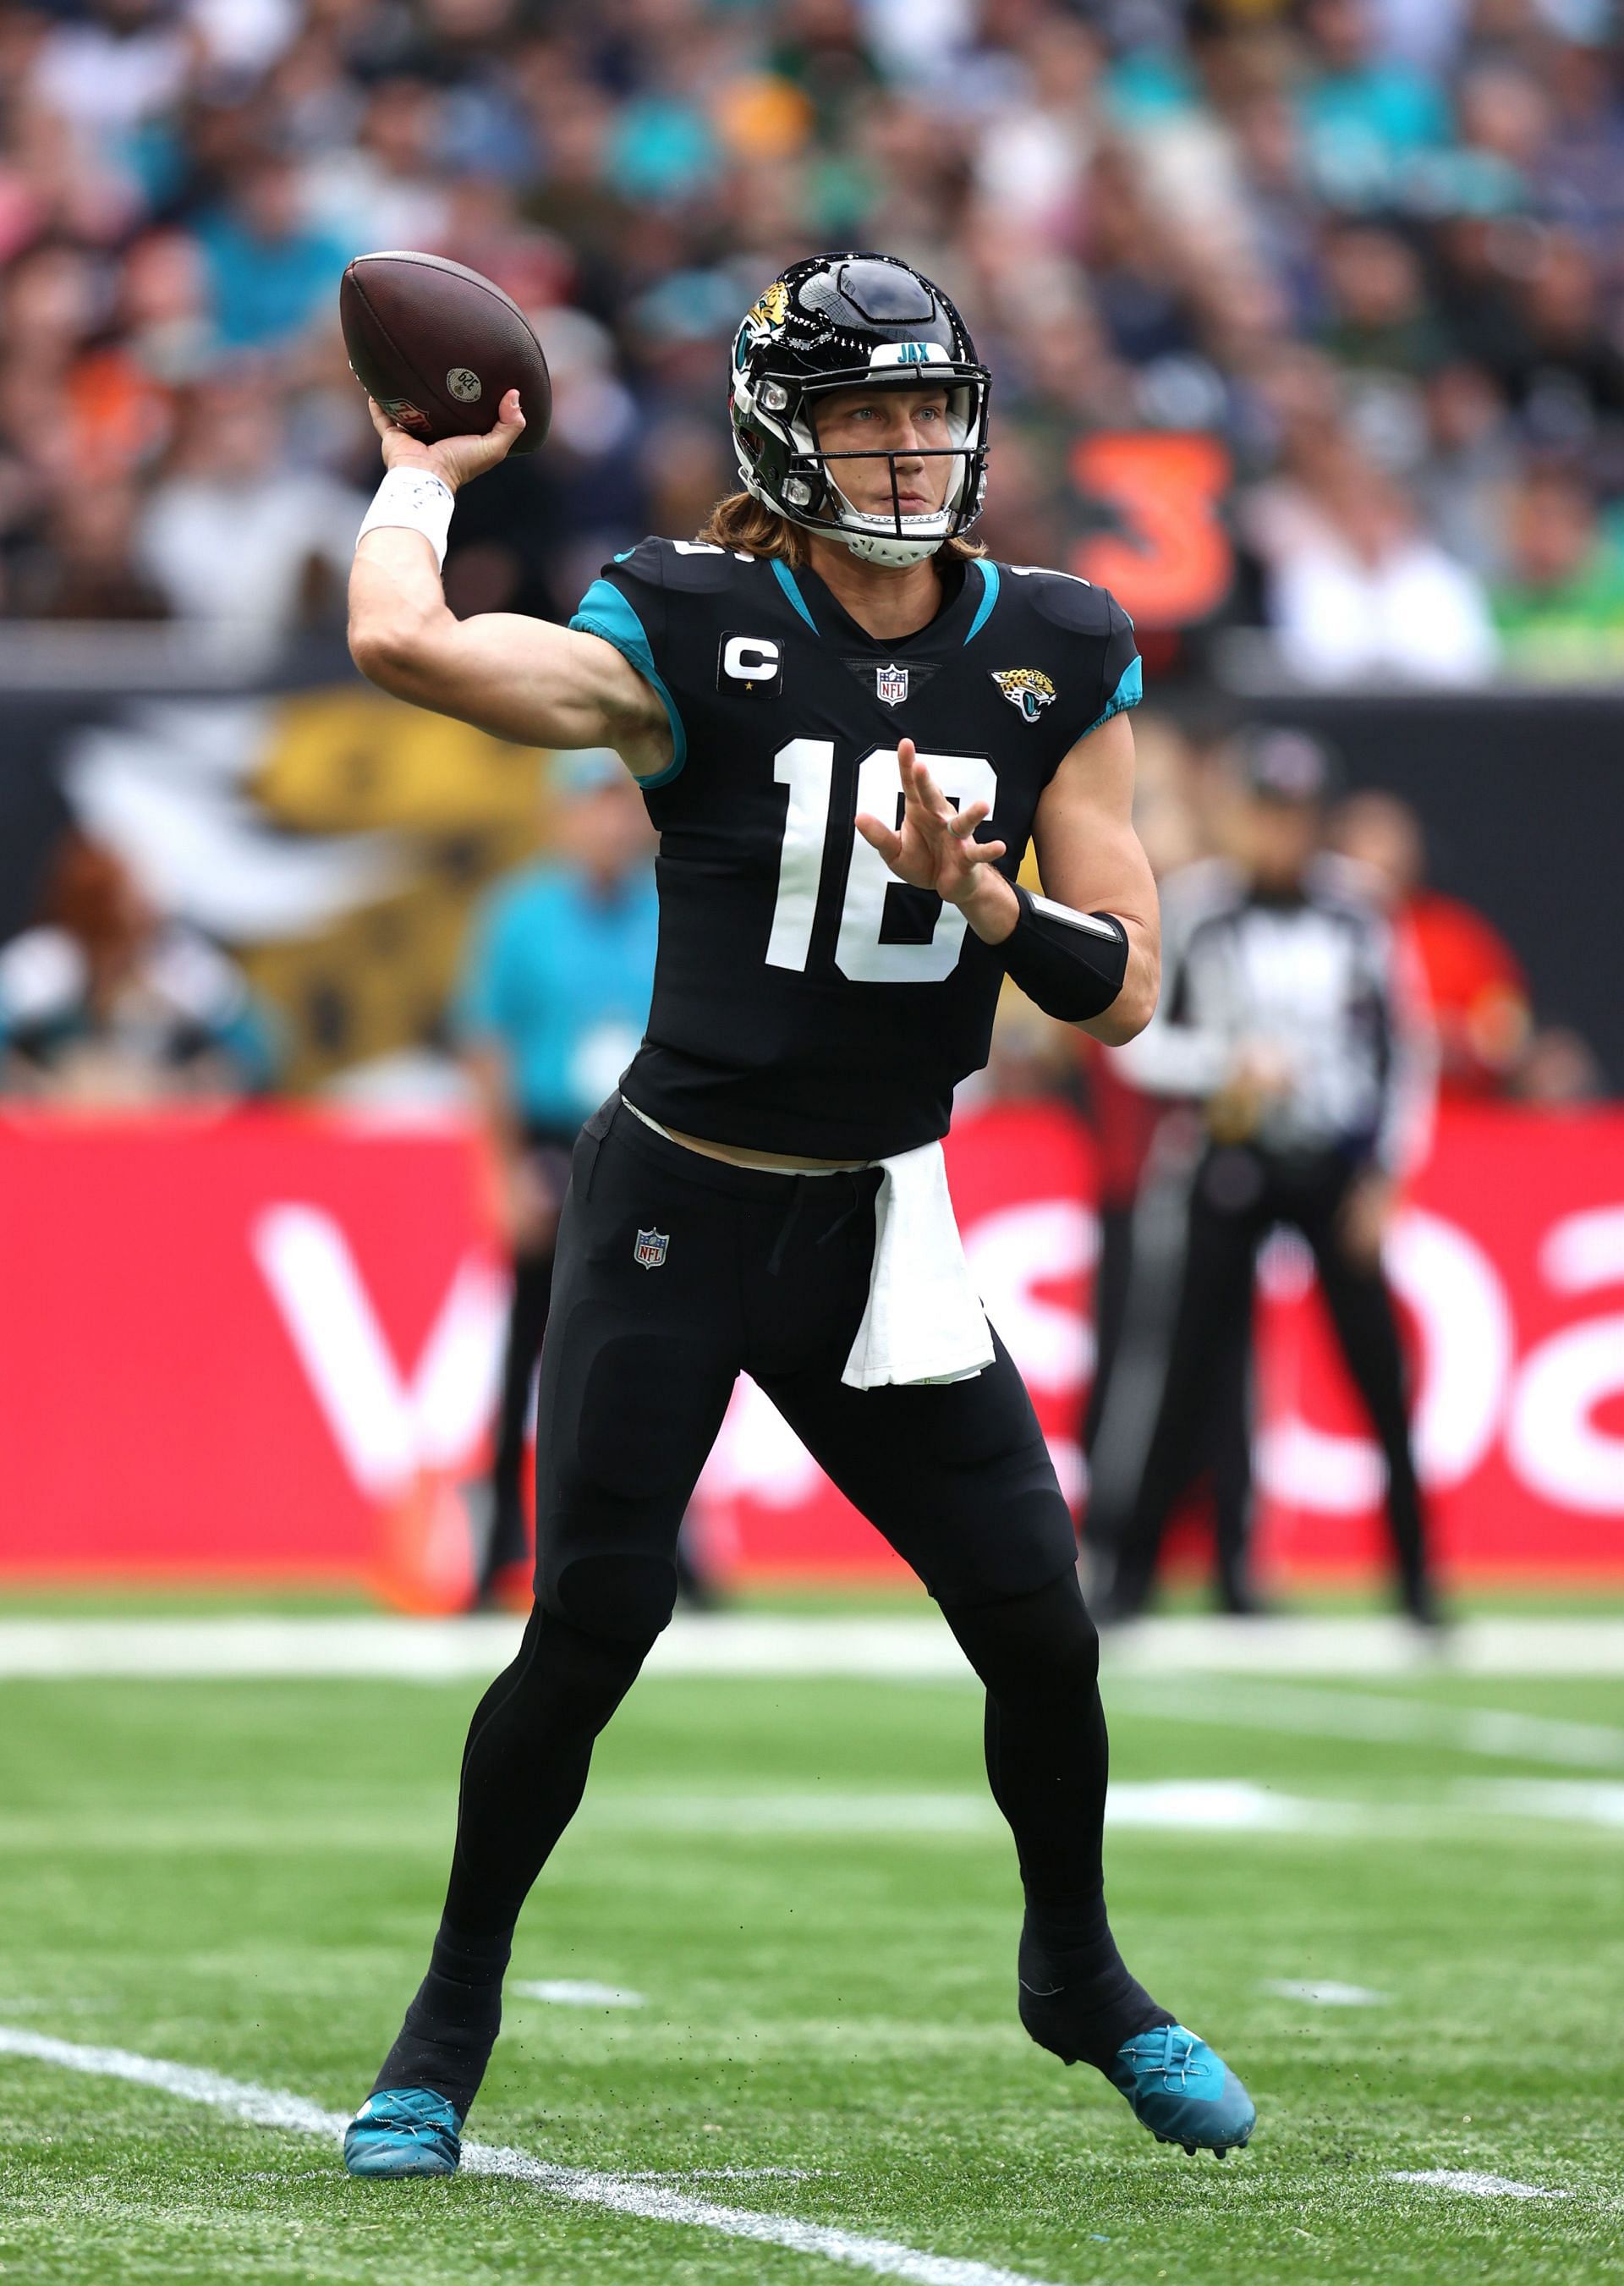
(1236, 1196)
(675, 1273)
(530, 1303)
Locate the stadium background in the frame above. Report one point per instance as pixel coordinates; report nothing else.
(1308, 340)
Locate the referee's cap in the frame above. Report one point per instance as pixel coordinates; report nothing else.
(1280, 763)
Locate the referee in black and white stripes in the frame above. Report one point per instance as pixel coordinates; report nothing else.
(1282, 1018)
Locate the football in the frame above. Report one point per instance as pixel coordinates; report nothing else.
(439, 346)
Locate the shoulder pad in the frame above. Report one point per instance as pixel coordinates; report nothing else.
(1066, 601)
(677, 565)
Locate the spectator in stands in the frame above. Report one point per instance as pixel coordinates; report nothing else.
(1366, 118)
(110, 69)
(1560, 608)
(1476, 992)
(85, 567)
(1378, 317)
(106, 1005)
(1470, 465)
(269, 270)
(1359, 591)
(1563, 365)
(1580, 176)
(387, 187)
(230, 532)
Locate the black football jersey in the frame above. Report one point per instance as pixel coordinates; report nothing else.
(805, 1001)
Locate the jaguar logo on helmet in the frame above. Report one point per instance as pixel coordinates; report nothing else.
(843, 321)
(768, 315)
(1029, 687)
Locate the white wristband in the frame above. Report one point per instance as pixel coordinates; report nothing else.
(413, 500)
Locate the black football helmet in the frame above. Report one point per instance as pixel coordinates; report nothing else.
(840, 321)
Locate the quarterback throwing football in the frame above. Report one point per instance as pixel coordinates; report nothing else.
(847, 725)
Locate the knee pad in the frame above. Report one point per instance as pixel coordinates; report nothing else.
(627, 1598)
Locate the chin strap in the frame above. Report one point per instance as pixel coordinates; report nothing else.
(1071, 965)
(888, 547)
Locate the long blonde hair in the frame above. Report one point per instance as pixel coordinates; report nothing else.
(742, 521)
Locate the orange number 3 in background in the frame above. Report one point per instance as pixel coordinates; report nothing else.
(1172, 564)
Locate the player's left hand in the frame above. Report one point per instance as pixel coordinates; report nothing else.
(935, 848)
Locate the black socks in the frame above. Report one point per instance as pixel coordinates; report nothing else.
(1047, 1760)
(451, 2027)
(524, 1771)
(1077, 1997)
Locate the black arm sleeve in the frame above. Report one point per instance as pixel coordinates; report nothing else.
(1070, 965)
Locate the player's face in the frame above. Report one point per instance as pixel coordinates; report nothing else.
(910, 423)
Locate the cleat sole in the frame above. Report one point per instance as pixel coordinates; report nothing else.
(384, 2171)
(1193, 2150)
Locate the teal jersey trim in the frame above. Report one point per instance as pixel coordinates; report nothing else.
(604, 612)
(786, 580)
(1129, 692)
(989, 596)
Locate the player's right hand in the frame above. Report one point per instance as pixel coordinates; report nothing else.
(455, 461)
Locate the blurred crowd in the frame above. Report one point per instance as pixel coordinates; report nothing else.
(1303, 314)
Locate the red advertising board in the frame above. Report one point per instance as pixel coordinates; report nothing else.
(234, 1346)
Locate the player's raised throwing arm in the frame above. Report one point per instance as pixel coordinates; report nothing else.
(518, 678)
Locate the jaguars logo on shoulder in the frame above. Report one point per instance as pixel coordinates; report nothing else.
(1029, 687)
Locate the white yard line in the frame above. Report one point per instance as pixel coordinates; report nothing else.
(1571, 1801)
(1305, 1710)
(1474, 2185)
(575, 1992)
(1310, 1648)
(721, 2174)
(758, 1643)
(1325, 1992)
(1203, 1808)
(1198, 1806)
(270, 2107)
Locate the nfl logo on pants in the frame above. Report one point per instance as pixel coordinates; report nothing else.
(650, 1251)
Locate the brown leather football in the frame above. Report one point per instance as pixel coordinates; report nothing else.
(439, 346)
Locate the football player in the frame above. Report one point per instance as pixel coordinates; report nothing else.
(847, 724)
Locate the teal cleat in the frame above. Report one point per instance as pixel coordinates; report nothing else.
(1182, 2091)
(404, 2130)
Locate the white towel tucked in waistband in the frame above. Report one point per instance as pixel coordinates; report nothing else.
(924, 1321)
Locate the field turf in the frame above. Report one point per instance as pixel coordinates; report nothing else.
(803, 1882)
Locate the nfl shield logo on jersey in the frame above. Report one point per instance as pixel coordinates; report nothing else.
(650, 1251)
(891, 684)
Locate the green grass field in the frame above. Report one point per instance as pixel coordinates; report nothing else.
(805, 1884)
